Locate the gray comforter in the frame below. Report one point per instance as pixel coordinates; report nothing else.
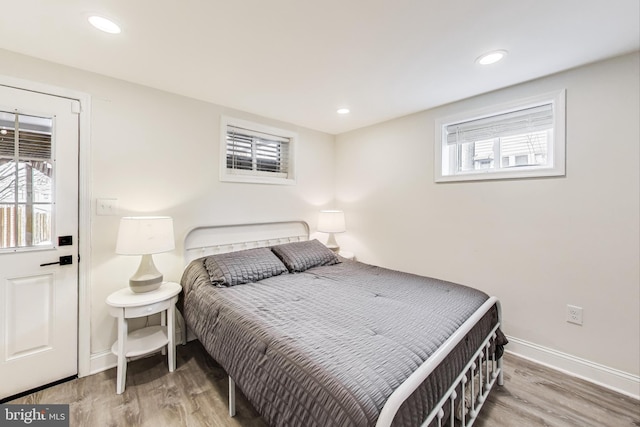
(328, 346)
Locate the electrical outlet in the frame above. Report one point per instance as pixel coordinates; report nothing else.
(574, 314)
(107, 207)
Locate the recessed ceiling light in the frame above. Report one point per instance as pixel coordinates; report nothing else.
(104, 24)
(343, 111)
(491, 57)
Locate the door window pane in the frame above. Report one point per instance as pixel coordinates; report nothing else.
(26, 180)
(7, 181)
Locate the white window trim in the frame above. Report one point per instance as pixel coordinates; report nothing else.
(256, 177)
(558, 156)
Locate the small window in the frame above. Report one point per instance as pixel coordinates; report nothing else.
(251, 152)
(519, 140)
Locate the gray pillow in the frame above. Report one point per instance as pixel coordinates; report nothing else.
(236, 268)
(301, 256)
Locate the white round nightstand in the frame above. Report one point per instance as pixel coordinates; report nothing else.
(125, 304)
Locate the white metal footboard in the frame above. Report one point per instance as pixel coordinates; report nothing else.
(482, 366)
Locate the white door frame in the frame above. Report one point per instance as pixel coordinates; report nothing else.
(84, 209)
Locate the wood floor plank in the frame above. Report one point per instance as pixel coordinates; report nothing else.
(195, 395)
(538, 396)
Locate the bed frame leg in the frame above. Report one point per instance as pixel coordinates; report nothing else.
(232, 397)
(500, 373)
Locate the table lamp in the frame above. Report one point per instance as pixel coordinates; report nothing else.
(331, 222)
(145, 235)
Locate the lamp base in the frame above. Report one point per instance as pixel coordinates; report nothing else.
(142, 286)
(147, 278)
(332, 244)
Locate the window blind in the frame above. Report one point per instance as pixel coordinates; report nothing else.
(249, 150)
(34, 136)
(534, 143)
(528, 120)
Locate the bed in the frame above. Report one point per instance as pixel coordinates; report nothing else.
(312, 339)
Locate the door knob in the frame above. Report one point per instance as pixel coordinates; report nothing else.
(64, 260)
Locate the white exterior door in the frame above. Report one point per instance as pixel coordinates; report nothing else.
(38, 204)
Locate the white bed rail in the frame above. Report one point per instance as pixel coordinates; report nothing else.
(493, 372)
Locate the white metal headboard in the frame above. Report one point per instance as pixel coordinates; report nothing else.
(217, 239)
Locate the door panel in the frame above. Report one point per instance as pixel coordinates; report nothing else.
(38, 202)
(29, 301)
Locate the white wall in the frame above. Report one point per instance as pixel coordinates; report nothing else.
(537, 244)
(158, 153)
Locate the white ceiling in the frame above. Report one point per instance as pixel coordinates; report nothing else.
(300, 60)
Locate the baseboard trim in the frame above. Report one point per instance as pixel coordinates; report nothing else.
(613, 379)
(102, 361)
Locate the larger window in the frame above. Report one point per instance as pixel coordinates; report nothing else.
(518, 140)
(251, 152)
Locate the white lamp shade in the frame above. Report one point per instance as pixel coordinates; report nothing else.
(145, 235)
(331, 222)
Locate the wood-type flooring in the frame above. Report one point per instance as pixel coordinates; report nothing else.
(196, 395)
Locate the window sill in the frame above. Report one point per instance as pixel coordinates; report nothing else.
(497, 175)
(251, 179)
